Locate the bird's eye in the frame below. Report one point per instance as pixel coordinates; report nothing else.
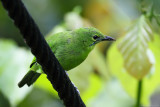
(95, 37)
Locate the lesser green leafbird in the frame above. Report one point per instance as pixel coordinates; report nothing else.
(71, 48)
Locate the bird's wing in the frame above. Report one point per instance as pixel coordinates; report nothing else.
(57, 40)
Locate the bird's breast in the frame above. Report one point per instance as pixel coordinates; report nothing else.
(70, 59)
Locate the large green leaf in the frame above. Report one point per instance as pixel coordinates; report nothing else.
(129, 83)
(14, 63)
(133, 48)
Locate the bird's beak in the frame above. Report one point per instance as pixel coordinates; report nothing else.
(108, 38)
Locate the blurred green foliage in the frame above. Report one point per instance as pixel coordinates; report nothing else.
(103, 79)
(3, 101)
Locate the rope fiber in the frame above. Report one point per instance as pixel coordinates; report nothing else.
(45, 57)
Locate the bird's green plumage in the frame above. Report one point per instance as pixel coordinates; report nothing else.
(71, 48)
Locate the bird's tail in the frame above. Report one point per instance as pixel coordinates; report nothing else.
(29, 78)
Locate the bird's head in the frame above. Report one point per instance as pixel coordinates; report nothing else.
(91, 36)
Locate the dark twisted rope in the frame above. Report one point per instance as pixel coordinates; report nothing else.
(39, 47)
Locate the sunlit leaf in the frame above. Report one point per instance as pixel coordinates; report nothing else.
(134, 47)
(129, 83)
(14, 63)
(95, 86)
(111, 95)
(40, 98)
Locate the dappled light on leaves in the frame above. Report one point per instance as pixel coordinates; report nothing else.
(133, 48)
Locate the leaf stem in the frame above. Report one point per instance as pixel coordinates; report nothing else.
(139, 94)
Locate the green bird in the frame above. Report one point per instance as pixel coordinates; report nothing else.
(71, 48)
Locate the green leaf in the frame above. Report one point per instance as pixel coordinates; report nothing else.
(14, 63)
(147, 5)
(150, 82)
(111, 95)
(151, 8)
(95, 86)
(40, 98)
(4, 101)
(133, 48)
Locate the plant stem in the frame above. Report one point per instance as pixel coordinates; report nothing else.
(139, 93)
